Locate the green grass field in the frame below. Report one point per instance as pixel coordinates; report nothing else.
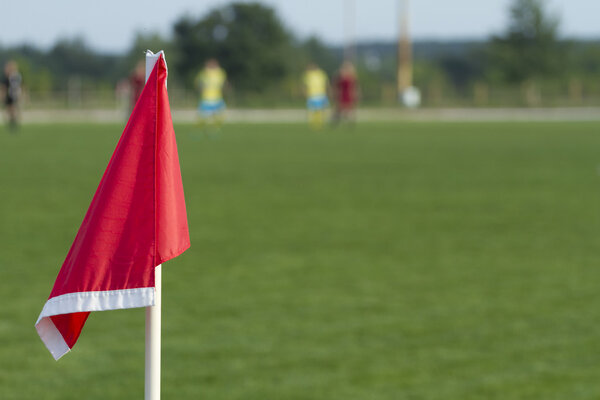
(397, 261)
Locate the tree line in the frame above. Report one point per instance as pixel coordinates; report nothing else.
(264, 60)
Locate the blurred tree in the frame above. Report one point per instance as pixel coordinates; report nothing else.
(461, 70)
(247, 39)
(433, 81)
(314, 50)
(530, 48)
(586, 58)
(51, 69)
(71, 57)
(35, 79)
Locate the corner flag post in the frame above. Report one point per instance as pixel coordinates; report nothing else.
(153, 313)
(136, 221)
(153, 320)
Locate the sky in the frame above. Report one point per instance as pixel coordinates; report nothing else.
(111, 25)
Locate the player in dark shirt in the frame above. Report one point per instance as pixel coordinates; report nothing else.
(11, 90)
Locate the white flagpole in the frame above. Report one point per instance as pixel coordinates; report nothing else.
(152, 383)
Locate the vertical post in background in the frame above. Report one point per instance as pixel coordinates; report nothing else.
(349, 23)
(404, 49)
(153, 313)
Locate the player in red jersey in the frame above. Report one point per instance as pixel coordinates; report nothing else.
(137, 81)
(346, 93)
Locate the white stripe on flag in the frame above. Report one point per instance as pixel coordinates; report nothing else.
(83, 302)
(51, 338)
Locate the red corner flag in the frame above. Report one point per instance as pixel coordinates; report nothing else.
(136, 221)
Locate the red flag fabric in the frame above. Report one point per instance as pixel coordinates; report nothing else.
(136, 221)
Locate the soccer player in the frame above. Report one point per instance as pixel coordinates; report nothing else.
(315, 88)
(210, 81)
(11, 89)
(137, 80)
(346, 93)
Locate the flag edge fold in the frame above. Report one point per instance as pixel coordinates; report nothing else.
(86, 302)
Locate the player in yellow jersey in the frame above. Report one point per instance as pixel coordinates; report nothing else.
(315, 87)
(210, 81)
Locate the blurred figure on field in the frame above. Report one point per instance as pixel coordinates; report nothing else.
(137, 80)
(11, 90)
(211, 81)
(315, 88)
(346, 93)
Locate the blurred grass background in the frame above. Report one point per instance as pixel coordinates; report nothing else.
(407, 260)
